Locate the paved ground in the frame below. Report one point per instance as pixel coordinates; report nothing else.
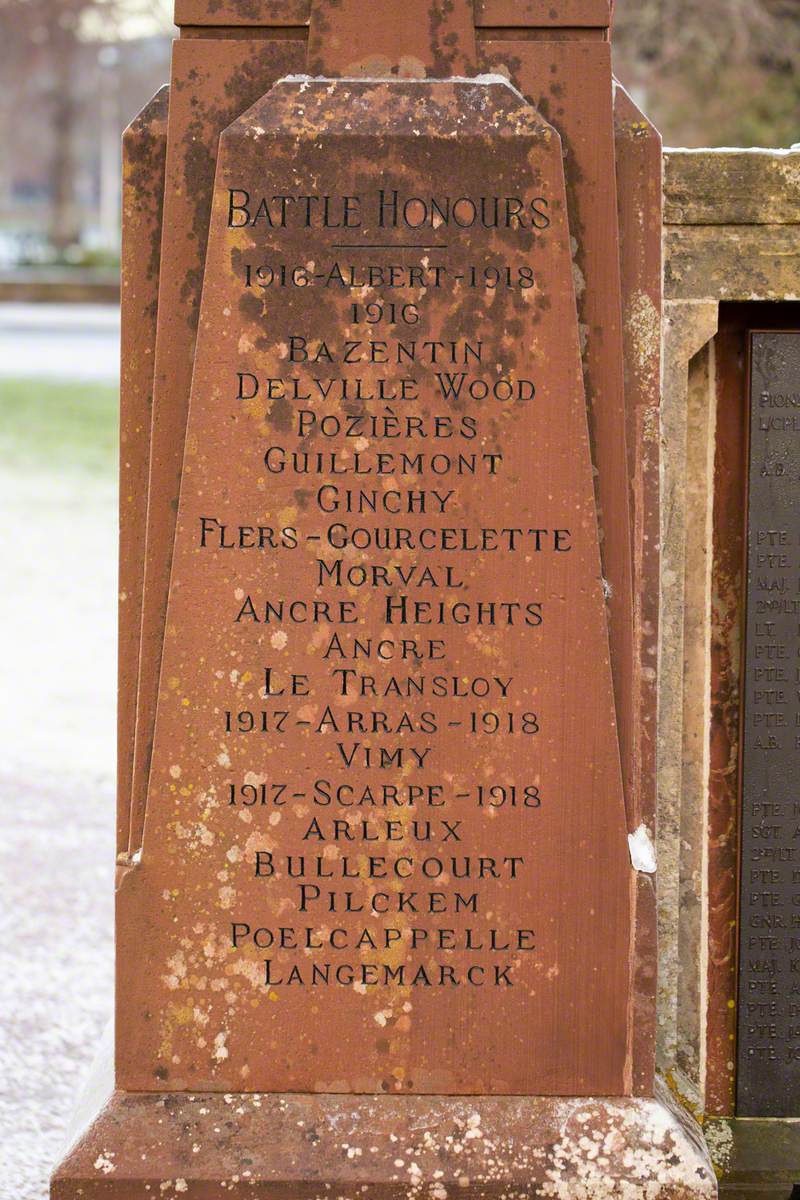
(57, 614)
(63, 341)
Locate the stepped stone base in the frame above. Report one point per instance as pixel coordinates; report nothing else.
(306, 1147)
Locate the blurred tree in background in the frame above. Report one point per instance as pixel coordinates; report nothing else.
(707, 72)
(43, 61)
(713, 72)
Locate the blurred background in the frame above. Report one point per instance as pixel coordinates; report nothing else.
(74, 73)
(720, 72)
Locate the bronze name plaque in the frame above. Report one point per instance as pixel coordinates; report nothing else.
(768, 1077)
(385, 844)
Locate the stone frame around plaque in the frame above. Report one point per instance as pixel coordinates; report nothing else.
(731, 259)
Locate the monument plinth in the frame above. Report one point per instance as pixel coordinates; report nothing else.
(380, 916)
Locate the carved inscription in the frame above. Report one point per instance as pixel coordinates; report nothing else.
(769, 960)
(386, 782)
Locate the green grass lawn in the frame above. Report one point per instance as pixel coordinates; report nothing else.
(58, 426)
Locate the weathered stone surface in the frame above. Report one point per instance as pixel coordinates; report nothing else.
(723, 714)
(408, 41)
(212, 83)
(570, 84)
(544, 14)
(301, 1147)
(687, 328)
(572, 14)
(744, 262)
(732, 187)
(207, 1015)
(697, 586)
(706, 263)
(638, 163)
(242, 12)
(144, 148)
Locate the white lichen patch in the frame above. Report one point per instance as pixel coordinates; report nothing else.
(177, 967)
(643, 854)
(635, 1153)
(643, 324)
(719, 1139)
(196, 835)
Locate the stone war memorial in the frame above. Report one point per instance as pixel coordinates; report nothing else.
(459, 589)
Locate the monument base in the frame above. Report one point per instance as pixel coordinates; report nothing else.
(756, 1158)
(308, 1147)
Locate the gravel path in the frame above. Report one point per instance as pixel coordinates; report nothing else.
(57, 613)
(60, 341)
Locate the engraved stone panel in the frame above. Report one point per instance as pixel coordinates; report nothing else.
(385, 841)
(769, 951)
